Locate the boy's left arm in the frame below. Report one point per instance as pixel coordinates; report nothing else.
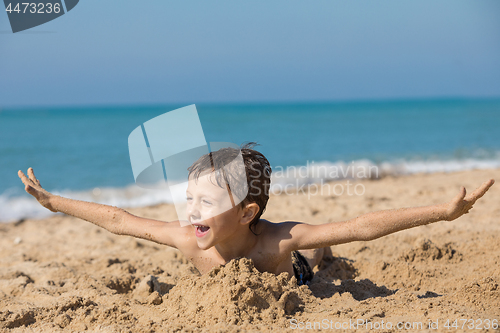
(377, 224)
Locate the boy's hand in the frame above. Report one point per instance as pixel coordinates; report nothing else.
(33, 187)
(461, 204)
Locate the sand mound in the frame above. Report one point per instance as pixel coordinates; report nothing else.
(426, 250)
(335, 268)
(235, 294)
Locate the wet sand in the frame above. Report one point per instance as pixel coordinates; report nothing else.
(64, 274)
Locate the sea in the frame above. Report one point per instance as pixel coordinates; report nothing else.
(82, 152)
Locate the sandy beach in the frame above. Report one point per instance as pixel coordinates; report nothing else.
(65, 274)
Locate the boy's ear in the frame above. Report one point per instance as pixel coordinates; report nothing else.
(249, 212)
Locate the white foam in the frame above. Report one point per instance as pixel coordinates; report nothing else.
(433, 166)
(316, 172)
(365, 169)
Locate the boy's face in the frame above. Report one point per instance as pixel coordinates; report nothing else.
(211, 211)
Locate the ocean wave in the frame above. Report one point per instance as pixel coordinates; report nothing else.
(314, 172)
(15, 206)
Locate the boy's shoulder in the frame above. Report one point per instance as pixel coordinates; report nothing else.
(275, 231)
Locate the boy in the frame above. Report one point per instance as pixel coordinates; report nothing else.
(213, 239)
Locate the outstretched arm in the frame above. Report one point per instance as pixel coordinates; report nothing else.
(377, 224)
(113, 219)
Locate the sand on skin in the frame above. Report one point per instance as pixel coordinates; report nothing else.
(63, 274)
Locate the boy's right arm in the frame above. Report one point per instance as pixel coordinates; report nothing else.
(113, 219)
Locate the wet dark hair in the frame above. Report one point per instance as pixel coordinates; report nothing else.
(257, 172)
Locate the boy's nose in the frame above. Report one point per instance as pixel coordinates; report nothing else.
(193, 213)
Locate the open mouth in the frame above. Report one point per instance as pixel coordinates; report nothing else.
(201, 230)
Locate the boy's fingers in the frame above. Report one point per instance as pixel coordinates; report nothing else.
(481, 190)
(23, 177)
(31, 174)
(460, 196)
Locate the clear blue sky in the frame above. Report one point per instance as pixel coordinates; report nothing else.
(158, 51)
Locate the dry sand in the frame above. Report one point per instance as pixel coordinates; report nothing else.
(64, 274)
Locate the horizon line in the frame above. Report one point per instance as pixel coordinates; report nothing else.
(257, 103)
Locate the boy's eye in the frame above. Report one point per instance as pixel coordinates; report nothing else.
(206, 202)
(189, 199)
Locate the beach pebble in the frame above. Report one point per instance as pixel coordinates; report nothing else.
(18, 240)
(154, 298)
(63, 320)
(145, 288)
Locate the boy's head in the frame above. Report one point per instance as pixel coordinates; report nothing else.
(257, 173)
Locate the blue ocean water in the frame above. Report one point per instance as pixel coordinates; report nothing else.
(83, 152)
